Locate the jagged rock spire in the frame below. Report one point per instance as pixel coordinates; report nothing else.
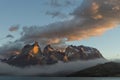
(48, 49)
(36, 50)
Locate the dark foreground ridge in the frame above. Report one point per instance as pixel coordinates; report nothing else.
(32, 55)
(110, 69)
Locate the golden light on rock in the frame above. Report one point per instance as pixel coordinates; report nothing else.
(35, 49)
(65, 58)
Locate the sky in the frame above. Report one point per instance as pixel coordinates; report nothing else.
(74, 22)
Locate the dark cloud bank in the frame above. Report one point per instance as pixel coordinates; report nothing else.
(58, 69)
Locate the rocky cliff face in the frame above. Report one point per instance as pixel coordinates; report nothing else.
(32, 55)
(82, 52)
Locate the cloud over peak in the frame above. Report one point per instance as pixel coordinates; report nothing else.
(92, 18)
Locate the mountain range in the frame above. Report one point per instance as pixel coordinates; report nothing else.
(33, 55)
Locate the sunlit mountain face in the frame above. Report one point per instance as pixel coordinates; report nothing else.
(54, 32)
(36, 48)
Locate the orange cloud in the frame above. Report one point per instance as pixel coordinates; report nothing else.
(92, 18)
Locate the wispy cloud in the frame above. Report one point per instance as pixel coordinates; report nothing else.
(7, 49)
(9, 36)
(61, 3)
(14, 28)
(54, 14)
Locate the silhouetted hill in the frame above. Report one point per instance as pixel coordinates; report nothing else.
(110, 69)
